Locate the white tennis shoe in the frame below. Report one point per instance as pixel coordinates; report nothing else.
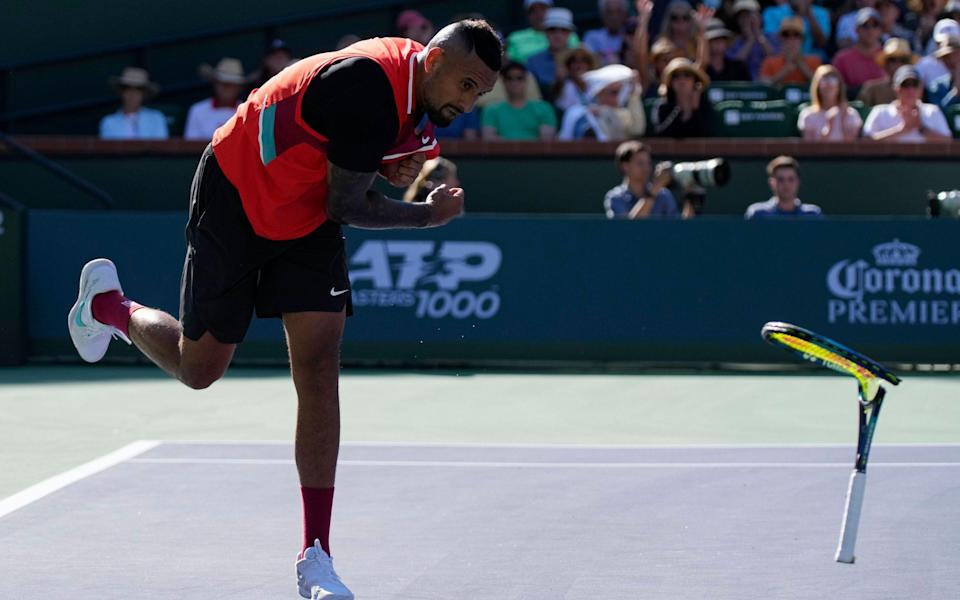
(316, 577)
(90, 336)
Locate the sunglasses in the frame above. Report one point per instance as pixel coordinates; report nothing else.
(901, 60)
(909, 83)
(790, 34)
(515, 78)
(680, 17)
(871, 25)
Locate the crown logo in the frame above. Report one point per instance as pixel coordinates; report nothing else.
(896, 254)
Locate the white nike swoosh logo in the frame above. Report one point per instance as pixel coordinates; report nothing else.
(425, 139)
(335, 292)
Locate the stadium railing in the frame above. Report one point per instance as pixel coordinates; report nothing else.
(846, 178)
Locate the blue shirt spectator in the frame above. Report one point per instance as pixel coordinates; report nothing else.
(751, 45)
(639, 196)
(464, 127)
(774, 208)
(784, 178)
(133, 121)
(608, 40)
(543, 66)
(558, 26)
(753, 56)
(144, 124)
(939, 89)
(773, 15)
(619, 202)
(952, 98)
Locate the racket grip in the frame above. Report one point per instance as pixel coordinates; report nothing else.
(851, 517)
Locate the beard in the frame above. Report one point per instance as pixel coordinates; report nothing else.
(442, 116)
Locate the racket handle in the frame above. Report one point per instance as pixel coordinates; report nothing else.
(851, 517)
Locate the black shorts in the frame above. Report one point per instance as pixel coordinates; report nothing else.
(229, 270)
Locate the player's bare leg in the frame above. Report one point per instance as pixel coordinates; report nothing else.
(314, 342)
(196, 363)
(102, 312)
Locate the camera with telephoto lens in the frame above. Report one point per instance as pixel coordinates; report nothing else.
(945, 203)
(703, 173)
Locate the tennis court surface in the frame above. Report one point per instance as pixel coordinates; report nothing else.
(456, 486)
(440, 521)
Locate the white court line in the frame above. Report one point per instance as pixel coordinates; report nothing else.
(539, 465)
(549, 446)
(58, 482)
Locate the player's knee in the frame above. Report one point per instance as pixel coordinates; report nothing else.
(202, 378)
(322, 359)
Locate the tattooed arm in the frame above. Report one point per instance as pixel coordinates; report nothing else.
(351, 201)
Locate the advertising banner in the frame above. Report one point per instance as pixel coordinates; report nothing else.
(499, 290)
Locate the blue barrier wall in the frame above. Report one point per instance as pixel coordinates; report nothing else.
(486, 290)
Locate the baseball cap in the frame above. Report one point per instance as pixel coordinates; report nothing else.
(905, 73)
(716, 29)
(865, 14)
(947, 46)
(750, 5)
(944, 29)
(528, 3)
(559, 18)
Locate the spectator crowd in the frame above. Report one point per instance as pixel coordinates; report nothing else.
(871, 69)
(879, 69)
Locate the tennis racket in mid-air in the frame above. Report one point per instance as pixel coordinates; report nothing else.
(833, 355)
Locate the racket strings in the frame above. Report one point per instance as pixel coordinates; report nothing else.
(828, 358)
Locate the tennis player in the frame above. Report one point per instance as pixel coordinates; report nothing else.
(267, 203)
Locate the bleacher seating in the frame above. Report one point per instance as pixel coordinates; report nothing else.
(758, 119)
(720, 91)
(795, 94)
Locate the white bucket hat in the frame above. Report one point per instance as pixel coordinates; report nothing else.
(228, 70)
(600, 78)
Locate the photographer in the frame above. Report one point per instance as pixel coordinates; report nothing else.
(637, 197)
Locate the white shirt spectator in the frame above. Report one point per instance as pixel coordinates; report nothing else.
(816, 120)
(885, 116)
(570, 96)
(145, 124)
(204, 118)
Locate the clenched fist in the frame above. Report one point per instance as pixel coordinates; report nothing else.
(446, 204)
(403, 172)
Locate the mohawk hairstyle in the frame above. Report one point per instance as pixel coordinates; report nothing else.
(472, 35)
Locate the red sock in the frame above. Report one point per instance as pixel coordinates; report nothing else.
(113, 308)
(317, 508)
